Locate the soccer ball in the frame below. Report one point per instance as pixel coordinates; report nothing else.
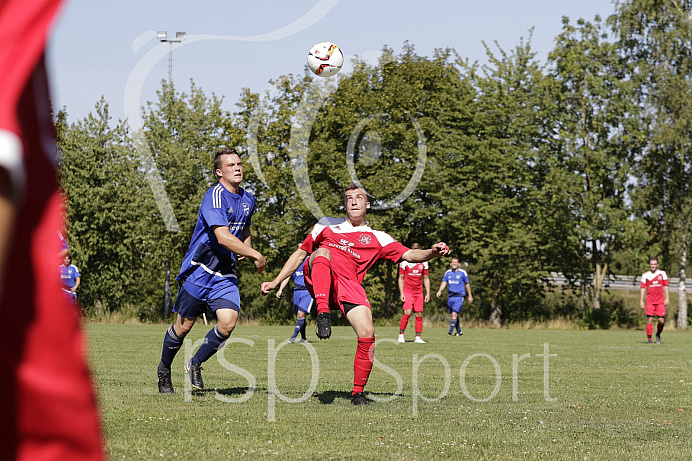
(325, 59)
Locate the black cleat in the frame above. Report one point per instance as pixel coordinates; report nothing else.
(359, 399)
(458, 333)
(194, 370)
(165, 384)
(324, 325)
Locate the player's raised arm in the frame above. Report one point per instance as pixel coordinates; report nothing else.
(292, 263)
(419, 256)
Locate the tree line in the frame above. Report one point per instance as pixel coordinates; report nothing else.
(579, 165)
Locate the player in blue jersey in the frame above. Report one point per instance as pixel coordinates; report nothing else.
(302, 302)
(208, 275)
(69, 279)
(458, 282)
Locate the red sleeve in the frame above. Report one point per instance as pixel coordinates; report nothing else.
(393, 251)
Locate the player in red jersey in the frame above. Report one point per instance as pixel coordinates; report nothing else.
(654, 289)
(341, 251)
(47, 402)
(413, 277)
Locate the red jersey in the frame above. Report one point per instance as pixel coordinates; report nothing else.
(654, 283)
(413, 276)
(46, 397)
(353, 249)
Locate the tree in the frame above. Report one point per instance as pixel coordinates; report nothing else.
(598, 133)
(655, 37)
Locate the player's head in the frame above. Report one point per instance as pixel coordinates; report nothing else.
(653, 263)
(67, 260)
(228, 166)
(356, 203)
(454, 263)
(415, 246)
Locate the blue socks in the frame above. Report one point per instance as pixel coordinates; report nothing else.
(212, 343)
(299, 328)
(171, 345)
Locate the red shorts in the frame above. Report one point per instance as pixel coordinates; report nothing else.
(657, 310)
(342, 290)
(413, 301)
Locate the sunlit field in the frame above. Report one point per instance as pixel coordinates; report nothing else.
(500, 394)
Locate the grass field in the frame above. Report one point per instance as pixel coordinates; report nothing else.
(490, 394)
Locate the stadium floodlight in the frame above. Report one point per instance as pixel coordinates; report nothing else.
(162, 35)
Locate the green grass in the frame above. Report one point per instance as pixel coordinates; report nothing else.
(610, 396)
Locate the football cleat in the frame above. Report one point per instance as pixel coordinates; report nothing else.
(291, 340)
(324, 325)
(165, 384)
(401, 338)
(459, 333)
(359, 399)
(194, 370)
(658, 339)
(303, 340)
(419, 340)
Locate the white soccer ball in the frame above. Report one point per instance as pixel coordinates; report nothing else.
(325, 59)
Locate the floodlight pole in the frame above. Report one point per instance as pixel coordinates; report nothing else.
(162, 35)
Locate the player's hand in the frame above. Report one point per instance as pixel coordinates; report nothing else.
(438, 294)
(641, 305)
(267, 287)
(278, 293)
(441, 249)
(470, 299)
(260, 264)
(403, 298)
(427, 298)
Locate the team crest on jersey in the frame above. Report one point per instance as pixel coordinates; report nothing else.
(246, 209)
(364, 239)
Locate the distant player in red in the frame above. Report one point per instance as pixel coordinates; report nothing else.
(413, 277)
(47, 402)
(341, 251)
(654, 289)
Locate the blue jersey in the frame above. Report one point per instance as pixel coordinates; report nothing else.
(298, 278)
(68, 275)
(456, 281)
(206, 261)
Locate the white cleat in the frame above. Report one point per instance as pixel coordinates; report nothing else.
(401, 338)
(419, 340)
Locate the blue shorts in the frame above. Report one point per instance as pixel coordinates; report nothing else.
(302, 301)
(454, 303)
(192, 299)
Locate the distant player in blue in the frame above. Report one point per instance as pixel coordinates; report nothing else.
(69, 279)
(458, 282)
(302, 302)
(208, 275)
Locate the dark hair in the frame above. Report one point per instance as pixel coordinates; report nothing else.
(415, 246)
(653, 258)
(354, 186)
(222, 152)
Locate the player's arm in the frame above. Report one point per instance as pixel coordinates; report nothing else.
(400, 281)
(238, 246)
(282, 286)
(666, 299)
(77, 281)
(292, 263)
(468, 290)
(7, 218)
(421, 256)
(442, 287)
(642, 296)
(426, 285)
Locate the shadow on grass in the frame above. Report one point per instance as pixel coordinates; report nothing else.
(328, 397)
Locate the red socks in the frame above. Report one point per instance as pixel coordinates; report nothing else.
(404, 323)
(362, 364)
(419, 325)
(649, 330)
(321, 275)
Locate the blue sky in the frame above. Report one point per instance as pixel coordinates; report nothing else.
(109, 48)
